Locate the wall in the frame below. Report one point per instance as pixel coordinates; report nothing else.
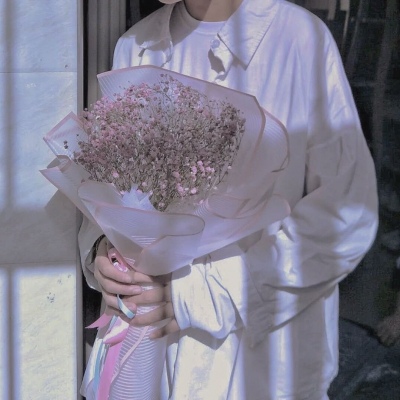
(40, 74)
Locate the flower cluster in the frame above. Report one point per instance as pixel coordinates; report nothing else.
(166, 139)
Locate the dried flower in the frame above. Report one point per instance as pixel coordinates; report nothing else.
(168, 139)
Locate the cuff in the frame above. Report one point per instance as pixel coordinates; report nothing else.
(88, 234)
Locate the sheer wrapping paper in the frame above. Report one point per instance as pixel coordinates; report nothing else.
(157, 243)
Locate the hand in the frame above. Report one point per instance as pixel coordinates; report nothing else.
(389, 330)
(161, 295)
(129, 286)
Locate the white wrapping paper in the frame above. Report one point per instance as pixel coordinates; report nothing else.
(157, 243)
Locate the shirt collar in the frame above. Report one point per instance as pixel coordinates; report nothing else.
(245, 29)
(241, 34)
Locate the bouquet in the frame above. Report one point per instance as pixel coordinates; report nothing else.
(170, 170)
(148, 140)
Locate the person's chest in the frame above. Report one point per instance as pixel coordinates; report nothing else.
(275, 77)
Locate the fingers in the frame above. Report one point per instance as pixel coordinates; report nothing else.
(104, 270)
(135, 289)
(111, 300)
(152, 296)
(382, 332)
(169, 328)
(138, 277)
(164, 312)
(116, 312)
(388, 338)
(115, 287)
(113, 311)
(116, 281)
(160, 313)
(388, 330)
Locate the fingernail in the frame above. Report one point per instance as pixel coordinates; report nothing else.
(136, 290)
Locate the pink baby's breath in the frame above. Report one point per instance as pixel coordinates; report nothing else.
(168, 139)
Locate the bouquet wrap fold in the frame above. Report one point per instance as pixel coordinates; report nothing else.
(155, 242)
(161, 242)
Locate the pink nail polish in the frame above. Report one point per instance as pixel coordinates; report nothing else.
(117, 260)
(136, 290)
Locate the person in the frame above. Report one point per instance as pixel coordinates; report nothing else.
(257, 319)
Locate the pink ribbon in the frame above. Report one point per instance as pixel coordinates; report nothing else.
(114, 337)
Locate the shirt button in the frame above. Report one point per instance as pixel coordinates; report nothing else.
(215, 43)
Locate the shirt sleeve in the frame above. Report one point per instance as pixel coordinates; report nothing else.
(124, 53)
(323, 239)
(87, 236)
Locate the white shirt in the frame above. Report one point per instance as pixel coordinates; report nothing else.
(192, 43)
(259, 321)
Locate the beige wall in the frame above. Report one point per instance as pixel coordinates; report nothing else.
(40, 81)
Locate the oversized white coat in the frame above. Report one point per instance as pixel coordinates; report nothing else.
(259, 318)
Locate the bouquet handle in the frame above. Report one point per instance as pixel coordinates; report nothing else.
(119, 343)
